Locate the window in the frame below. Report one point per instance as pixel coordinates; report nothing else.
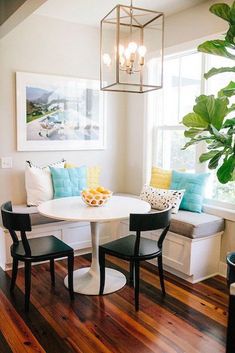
(181, 85)
(183, 81)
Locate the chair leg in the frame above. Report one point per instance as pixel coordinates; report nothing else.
(137, 278)
(160, 270)
(14, 274)
(27, 278)
(70, 275)
(131, 272)
(52, 271)
(102, 271)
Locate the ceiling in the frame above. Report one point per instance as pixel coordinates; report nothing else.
(90, 12)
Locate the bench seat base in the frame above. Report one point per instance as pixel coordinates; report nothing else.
(190, 259)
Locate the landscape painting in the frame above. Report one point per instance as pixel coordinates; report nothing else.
(59, 113)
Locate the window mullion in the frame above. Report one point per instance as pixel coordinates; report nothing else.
(201, 147)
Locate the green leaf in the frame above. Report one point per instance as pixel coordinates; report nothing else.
(231, 131)
(220, 137)
(215, 160)
(215, 144)
(232, 15)
(205, 106)
(220, 111)
(215, 71)
(195, 141)
(225, 172)
(194, 120)
(229, 123)
(221, 10)
(206, 156)
(216, 47)
(212, 110)
(227, 91)
(230, 34)
(192, 132)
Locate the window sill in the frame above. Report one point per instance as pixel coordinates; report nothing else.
(225, 213)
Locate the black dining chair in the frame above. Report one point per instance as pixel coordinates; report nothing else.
(230, 341)
(135, 248)
(33, 250)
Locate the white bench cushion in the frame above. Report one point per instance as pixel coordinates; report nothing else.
(196, 225)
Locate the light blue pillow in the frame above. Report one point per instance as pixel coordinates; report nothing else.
(194, 185)
(68, 182)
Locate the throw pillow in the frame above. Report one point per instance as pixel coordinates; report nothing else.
(93, 175)
(68, 182)
(162, 198)
(160, 178)
(38, 182)
(194, 185)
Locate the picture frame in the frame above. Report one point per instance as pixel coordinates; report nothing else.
(59, 113)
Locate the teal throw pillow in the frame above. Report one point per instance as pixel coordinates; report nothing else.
(68, 182)
(194, 185)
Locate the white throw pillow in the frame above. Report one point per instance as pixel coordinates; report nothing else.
(38, 182)
(162, 198)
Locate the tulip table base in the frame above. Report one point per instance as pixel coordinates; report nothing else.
(87, 281)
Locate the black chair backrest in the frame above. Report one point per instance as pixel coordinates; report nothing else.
(150, 221)
(230, 268)
(16, 222)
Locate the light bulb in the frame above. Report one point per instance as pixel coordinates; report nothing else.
(121, 49)
(132, 46)
(106, 59)
(142, 50)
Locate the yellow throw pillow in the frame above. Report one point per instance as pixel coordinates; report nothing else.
(93, 175)
(160, 178)
(70, 165)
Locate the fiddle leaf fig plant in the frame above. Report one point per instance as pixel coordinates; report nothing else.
(209, 121)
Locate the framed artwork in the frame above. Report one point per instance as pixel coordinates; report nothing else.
(59, 113)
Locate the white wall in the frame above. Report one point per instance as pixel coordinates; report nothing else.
(44, 45)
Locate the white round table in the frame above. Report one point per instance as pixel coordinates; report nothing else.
(87, 280)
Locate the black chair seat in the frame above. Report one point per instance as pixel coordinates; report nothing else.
(41, 248)
(125, 248)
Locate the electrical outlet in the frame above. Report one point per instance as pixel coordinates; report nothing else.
(6, 162)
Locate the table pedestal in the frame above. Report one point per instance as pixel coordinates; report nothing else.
(87, 280)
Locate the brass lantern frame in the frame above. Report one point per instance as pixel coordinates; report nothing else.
(117, 21)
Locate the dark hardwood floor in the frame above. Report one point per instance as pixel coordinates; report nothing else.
(191, 318)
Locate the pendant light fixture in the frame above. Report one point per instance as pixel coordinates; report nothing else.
(131, 50)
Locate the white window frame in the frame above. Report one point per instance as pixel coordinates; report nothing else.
(180, 50)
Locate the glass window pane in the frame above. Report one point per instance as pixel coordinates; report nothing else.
(170, 93)
(220, 192)
(215, 83)
(168, 154)
(190, 82)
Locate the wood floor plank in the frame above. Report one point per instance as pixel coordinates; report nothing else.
(4, 347)
(16, 333)
(190, 319)
(40, 328)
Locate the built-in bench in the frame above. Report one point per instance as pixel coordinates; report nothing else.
(191, 249)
